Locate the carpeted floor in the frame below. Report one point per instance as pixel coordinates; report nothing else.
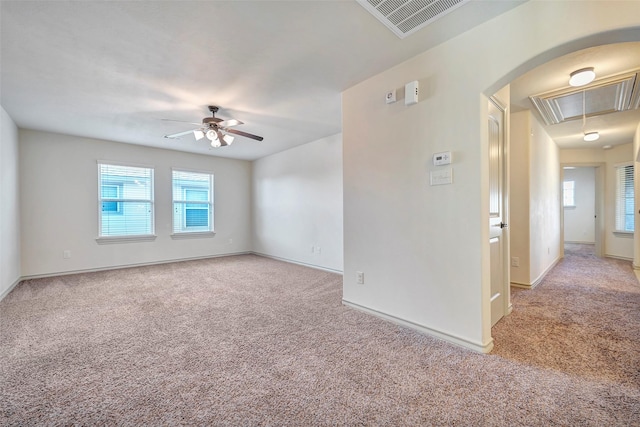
(251, 341)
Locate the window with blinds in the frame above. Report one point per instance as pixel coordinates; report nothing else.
(624, 198)
(125, 200)
(192, 202)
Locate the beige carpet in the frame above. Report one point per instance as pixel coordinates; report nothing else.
(249, 341)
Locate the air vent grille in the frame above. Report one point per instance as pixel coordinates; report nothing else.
(405, 17)
(609, 95)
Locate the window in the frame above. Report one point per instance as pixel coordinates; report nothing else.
(569, 193)
(111, 191)
(126, 201)
(624, 198)
(192, 202)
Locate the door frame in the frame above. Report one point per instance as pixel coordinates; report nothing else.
(506, 178)
(599, 170)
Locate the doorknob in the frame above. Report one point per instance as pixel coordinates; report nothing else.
(503, 225)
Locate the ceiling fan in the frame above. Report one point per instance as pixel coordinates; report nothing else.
(216, 130)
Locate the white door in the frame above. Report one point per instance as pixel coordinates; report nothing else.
(497, 234)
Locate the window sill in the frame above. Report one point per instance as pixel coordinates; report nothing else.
(628, 234)
(193, 235)
(108, 240)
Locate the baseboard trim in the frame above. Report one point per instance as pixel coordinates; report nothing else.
(10, 288)
(304, 264)
(120, 267)
(461, 342)
(622, 258)
(538, 280)
(521, 285)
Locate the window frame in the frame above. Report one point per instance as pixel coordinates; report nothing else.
(186, 231)
(621, 200)
(121, 201)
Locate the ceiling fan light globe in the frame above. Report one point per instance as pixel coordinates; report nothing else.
(591, 136)
(582, 77)
(198, 134)
(228, 139)
(212, 135)
(216, 143)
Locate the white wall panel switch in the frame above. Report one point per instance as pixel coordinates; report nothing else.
(442, 177)
(390, 97)
(443, 158)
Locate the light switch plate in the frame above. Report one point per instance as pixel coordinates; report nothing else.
(442, 177)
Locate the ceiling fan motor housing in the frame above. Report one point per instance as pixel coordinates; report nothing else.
(211, 120)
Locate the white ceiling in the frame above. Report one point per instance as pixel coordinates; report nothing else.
(608, 60)
(113, 69)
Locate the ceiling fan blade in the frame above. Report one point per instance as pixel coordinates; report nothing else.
(179, 121)
(245, 134)
(179, 134)
(229, 123)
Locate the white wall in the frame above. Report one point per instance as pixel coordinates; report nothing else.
(615, 245)
(535, 199)
(545, 202)
(9, 204)
(297, 204)
(424, 249)
(579, 221)
(519, 196)
(59, 204)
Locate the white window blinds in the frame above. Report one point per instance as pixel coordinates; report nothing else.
(192, 202)
(624, 198)
(125, 202)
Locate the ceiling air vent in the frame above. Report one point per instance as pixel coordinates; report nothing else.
(405, 17)
(604, 96)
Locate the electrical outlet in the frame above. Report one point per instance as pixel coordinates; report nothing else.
(66, 254)
(515, 261)
(318, 250)
(360, 277)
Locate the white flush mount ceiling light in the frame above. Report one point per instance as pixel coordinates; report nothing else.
(591, 136)
(582, 76)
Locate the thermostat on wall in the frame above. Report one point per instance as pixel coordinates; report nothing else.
(443, 158)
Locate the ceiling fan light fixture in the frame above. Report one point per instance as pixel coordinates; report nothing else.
(216, 143)
(212, 135)
(198, 134)
(591, 136)
(228, 139)
(582, 77)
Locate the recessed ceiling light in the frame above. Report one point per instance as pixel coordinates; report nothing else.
(607, 147)
(582, 76)
(569, 167)
(591, 136)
